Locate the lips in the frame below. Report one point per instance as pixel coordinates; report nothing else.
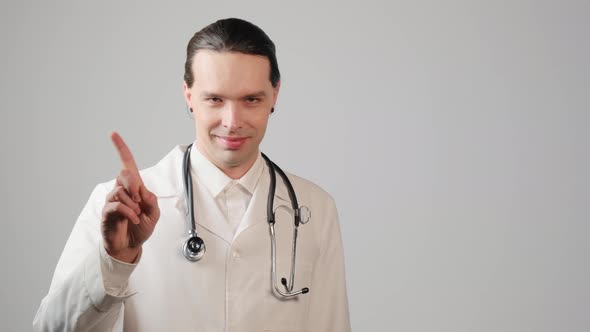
(232, 143)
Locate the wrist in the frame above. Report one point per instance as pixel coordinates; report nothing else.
(128, 255)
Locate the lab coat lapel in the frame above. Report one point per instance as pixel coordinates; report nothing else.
(256, 211)
(211, 218)
(165, 179)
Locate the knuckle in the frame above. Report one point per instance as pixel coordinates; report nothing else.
(120, 207)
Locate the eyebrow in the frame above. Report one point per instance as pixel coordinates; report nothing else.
(250, 95)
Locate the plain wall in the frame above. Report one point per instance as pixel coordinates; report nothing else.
(452, 134)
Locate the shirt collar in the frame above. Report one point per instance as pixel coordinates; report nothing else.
(215, 180)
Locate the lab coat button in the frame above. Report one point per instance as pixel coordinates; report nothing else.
(235, 255)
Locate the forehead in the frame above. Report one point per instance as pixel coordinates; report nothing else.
(230, 72)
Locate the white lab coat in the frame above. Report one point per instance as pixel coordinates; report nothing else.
(228, 290)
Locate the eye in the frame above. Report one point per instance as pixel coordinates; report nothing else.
(214, 100)
(252, 100)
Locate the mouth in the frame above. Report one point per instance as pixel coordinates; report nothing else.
(232, 143)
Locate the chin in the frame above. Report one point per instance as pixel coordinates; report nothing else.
(231, 158)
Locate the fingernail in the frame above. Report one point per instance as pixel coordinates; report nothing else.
(136, 198)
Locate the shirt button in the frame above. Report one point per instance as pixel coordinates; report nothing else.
(235, 255)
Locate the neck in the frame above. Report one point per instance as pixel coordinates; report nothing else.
(234, 172)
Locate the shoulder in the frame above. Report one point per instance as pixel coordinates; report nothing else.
(311, 193)
(308, 185)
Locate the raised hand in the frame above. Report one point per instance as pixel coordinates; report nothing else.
(130, 212)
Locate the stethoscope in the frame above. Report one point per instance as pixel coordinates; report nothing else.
(194, 247)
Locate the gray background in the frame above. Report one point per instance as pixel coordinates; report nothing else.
(453, 135)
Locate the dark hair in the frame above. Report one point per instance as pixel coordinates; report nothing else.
(232, 35)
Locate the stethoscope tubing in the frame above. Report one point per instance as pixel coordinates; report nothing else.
(194, 247)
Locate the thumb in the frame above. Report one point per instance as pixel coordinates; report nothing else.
(148, 197)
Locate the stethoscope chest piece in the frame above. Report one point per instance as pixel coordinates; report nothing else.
(194, 248)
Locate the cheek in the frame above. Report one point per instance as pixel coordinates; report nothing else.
(206, 121)
(261, 123)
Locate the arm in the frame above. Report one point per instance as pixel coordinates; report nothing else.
(77, 299)
(90, 280)
(329, 303)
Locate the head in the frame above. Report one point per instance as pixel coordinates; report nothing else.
(231, 84)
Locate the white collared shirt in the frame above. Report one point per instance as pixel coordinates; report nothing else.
(232, 196)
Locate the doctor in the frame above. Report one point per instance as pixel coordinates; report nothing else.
(123, 266)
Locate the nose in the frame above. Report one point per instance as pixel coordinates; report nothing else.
(231, 117)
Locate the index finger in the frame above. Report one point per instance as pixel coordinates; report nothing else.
(124, 152)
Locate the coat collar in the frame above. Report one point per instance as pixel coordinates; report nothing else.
(165, 179)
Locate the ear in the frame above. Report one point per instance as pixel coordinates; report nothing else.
(275, 93)
(187, 93)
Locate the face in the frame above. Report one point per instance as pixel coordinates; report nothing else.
(231, 98)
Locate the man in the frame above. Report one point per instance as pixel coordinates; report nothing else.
(123, 266)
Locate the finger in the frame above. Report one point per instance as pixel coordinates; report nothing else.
(122, 210)
(131, 182)
(124, 152)
(119, 194)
